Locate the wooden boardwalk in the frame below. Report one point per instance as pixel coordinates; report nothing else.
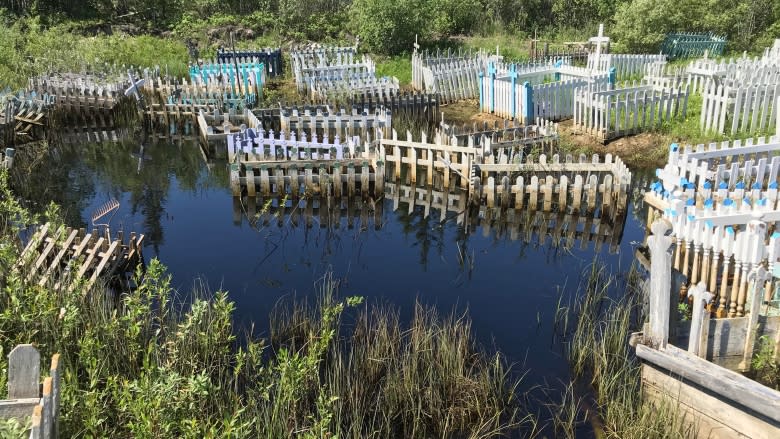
(62, 258)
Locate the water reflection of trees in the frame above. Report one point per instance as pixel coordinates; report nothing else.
(143, 170)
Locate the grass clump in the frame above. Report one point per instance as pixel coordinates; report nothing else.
(601, 358)
(399, 66)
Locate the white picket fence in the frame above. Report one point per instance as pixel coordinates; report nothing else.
(339, 122)
(609, 114)
(743, 171)
(625, 65)
(324, 89)
(452, 76)
(327, 72)
(746, 109)
(742, 71)
(257, 145)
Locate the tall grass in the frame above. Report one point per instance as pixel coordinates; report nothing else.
(150, 363)
(28, 49)
(596, 329)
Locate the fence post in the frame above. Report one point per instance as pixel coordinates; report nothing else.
(528, 103)
(24, 372)
(612, 76)
(756, 279)
(660, 282)
(492, 74)
(9, 152)
(699, 294)
(513, 77)
(481, 91)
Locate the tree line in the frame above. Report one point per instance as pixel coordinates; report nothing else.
(389, 26)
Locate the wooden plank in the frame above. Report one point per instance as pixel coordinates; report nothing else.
(712, 416)
(33, 243)
(727, 384)
(18, 408)
(88, 261)
(105, 258)
(51, 242)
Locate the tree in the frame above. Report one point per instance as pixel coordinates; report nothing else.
(389, 26)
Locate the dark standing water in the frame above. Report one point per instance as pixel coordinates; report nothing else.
(186, 211)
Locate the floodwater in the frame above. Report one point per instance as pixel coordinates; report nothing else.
(184, 207)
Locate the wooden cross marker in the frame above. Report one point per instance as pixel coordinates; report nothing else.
(660, 279)
(701, 297)
(599, 40)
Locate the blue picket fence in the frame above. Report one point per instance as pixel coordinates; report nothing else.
(249, 80)
(692, 45)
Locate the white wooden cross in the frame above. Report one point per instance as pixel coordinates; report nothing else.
(599, 40)
(134, 85)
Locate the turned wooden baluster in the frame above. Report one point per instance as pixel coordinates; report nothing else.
(727, 248)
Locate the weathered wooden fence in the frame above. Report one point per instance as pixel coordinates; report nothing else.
(328, 72)
(701, 389)
(563, 186)
(75, 91)
(266, 164)
(692, 45)
(612, 113)
(270, 58)
(219, 94)
(28, 397)
(325, 89)
(24, 117)
(335, 123)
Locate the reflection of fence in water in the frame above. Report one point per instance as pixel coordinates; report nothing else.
(308, 211)
(564, 228)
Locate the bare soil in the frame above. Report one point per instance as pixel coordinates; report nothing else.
(646, 150)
